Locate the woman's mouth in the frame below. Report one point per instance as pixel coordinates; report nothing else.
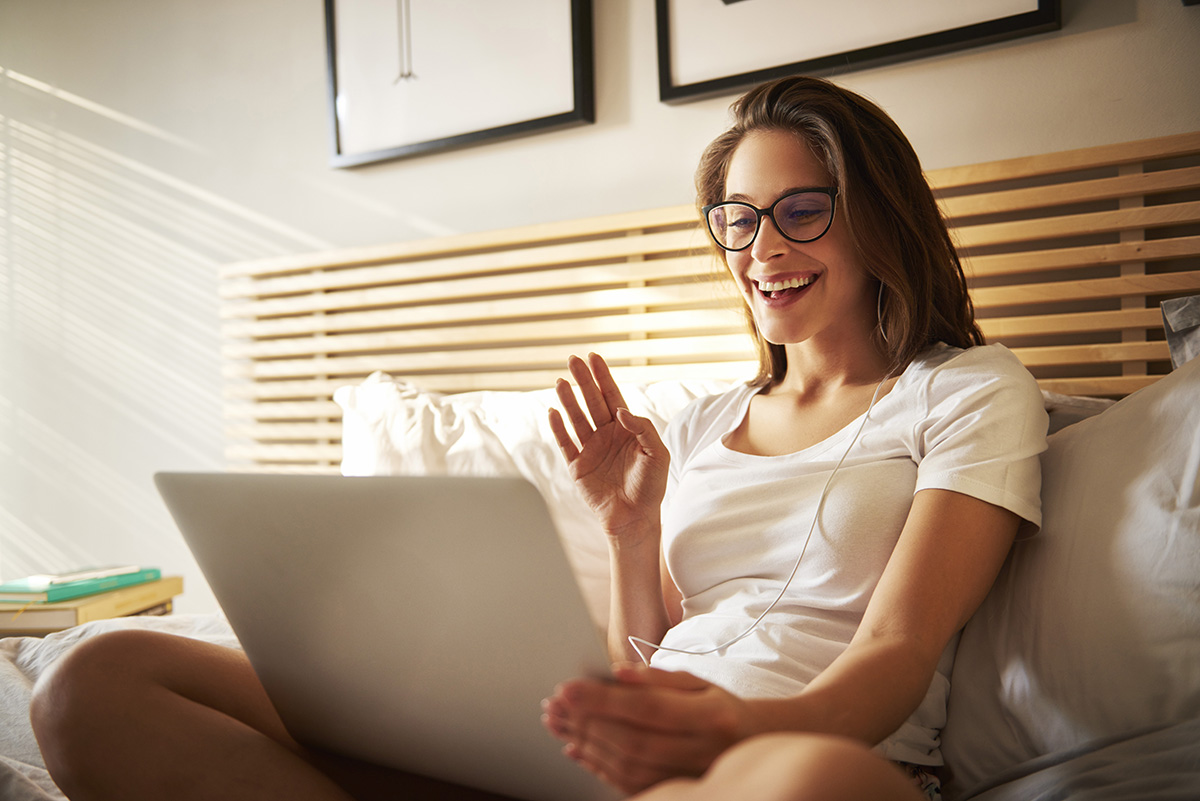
(778, 290)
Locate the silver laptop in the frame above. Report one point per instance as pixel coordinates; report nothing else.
(414, 622)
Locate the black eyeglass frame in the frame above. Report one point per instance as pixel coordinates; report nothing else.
(832, 191)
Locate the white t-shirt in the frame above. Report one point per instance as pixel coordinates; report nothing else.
(971, 421)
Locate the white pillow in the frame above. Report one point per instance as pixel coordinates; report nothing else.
(1065, 410)
(1093, 627)
(390, 426)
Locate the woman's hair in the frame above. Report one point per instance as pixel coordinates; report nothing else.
(894, 222)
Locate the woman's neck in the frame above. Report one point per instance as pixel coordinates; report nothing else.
(814, 368)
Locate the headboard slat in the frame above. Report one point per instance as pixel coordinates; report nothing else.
(1065, 291)
(538, 235)
(705, 347)
(1067, 161)
(427, 293)
(1144, 217)
(1080, 322)
(651, 324)
(459, 267)
(1022, 200)
(1089, 256)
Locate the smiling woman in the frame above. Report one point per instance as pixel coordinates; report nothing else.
(837, 139)
(906, 520)
(799, 551)
(798, 289)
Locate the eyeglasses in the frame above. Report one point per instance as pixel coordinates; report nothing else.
(803, 216)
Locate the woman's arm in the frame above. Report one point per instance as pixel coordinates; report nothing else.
(637, 607)
(947, 557)
(620, 467)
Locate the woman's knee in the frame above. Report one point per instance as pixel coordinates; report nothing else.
(93, 672)
(113, 670)
(76, 702)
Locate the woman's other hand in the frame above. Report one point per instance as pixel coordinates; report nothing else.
(648, 726)
(617, 459)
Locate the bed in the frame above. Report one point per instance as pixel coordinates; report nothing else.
(1080, 675)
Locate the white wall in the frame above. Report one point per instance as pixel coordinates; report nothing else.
(145, 142)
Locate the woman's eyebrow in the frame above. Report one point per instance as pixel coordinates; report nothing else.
(742, 198)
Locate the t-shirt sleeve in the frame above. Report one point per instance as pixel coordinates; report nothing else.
(700, 423)
(984, 431)
(673, 438)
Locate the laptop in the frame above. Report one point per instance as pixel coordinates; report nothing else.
(414, 622)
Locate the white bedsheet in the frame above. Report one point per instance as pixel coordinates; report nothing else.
(1155, 764)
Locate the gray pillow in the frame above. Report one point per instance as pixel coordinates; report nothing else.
(1093, 627)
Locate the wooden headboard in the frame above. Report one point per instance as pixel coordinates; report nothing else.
(1068, 255)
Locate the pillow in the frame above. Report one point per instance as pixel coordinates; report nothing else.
(390, 426)
(1065, 410)
(1093, 627)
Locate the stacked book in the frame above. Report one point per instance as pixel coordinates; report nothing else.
(45, 603)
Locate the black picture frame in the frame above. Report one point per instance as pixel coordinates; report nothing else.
(579, 109)
(1046, 17)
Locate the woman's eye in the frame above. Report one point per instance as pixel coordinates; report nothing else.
(805, 210)
(742, 220)
(800, 215)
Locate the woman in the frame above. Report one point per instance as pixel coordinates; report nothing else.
(850, 285)
(883, 455)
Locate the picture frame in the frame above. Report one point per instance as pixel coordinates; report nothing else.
(717, 47)
(399, 86)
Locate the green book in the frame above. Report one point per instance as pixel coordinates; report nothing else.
(65, 586)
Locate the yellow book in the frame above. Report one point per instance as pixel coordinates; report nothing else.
(18, 619)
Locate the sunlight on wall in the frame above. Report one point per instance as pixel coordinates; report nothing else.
(96, 108)
(109, 328)
(24, 550)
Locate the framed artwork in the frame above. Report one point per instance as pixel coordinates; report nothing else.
(409, 77)
(711, 47)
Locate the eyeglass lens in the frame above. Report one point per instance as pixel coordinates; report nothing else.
(802, 217)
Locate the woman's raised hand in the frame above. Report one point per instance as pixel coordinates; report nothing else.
(617, 459)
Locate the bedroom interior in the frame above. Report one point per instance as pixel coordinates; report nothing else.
(127, 188)
(186, 282)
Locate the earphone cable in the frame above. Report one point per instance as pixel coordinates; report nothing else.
(637, 642)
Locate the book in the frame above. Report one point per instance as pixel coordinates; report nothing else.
(152, 597)
(63, 587)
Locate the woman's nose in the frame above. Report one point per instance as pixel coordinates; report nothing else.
(769, 242)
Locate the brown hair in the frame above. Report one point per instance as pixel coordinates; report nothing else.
(894, 222)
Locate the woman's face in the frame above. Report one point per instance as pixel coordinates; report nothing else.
(797, 292)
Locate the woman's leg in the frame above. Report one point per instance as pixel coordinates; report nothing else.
(145, 715)
(793, 767)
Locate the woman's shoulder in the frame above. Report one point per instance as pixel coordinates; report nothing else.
(994, 357)
(712, 407)
(943, 370)
(980, 361)
(707, 416)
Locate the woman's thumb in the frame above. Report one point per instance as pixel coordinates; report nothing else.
(642, 429)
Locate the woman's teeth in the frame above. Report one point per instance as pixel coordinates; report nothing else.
(791, 283)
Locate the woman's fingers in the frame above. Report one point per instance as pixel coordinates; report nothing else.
(600, 393)
(579, 421)
(609, 390)
(565, 443)
(648, 726)
(655, 701)
(593, 397)
(634, 758)
(631, 750)
(643, 431)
